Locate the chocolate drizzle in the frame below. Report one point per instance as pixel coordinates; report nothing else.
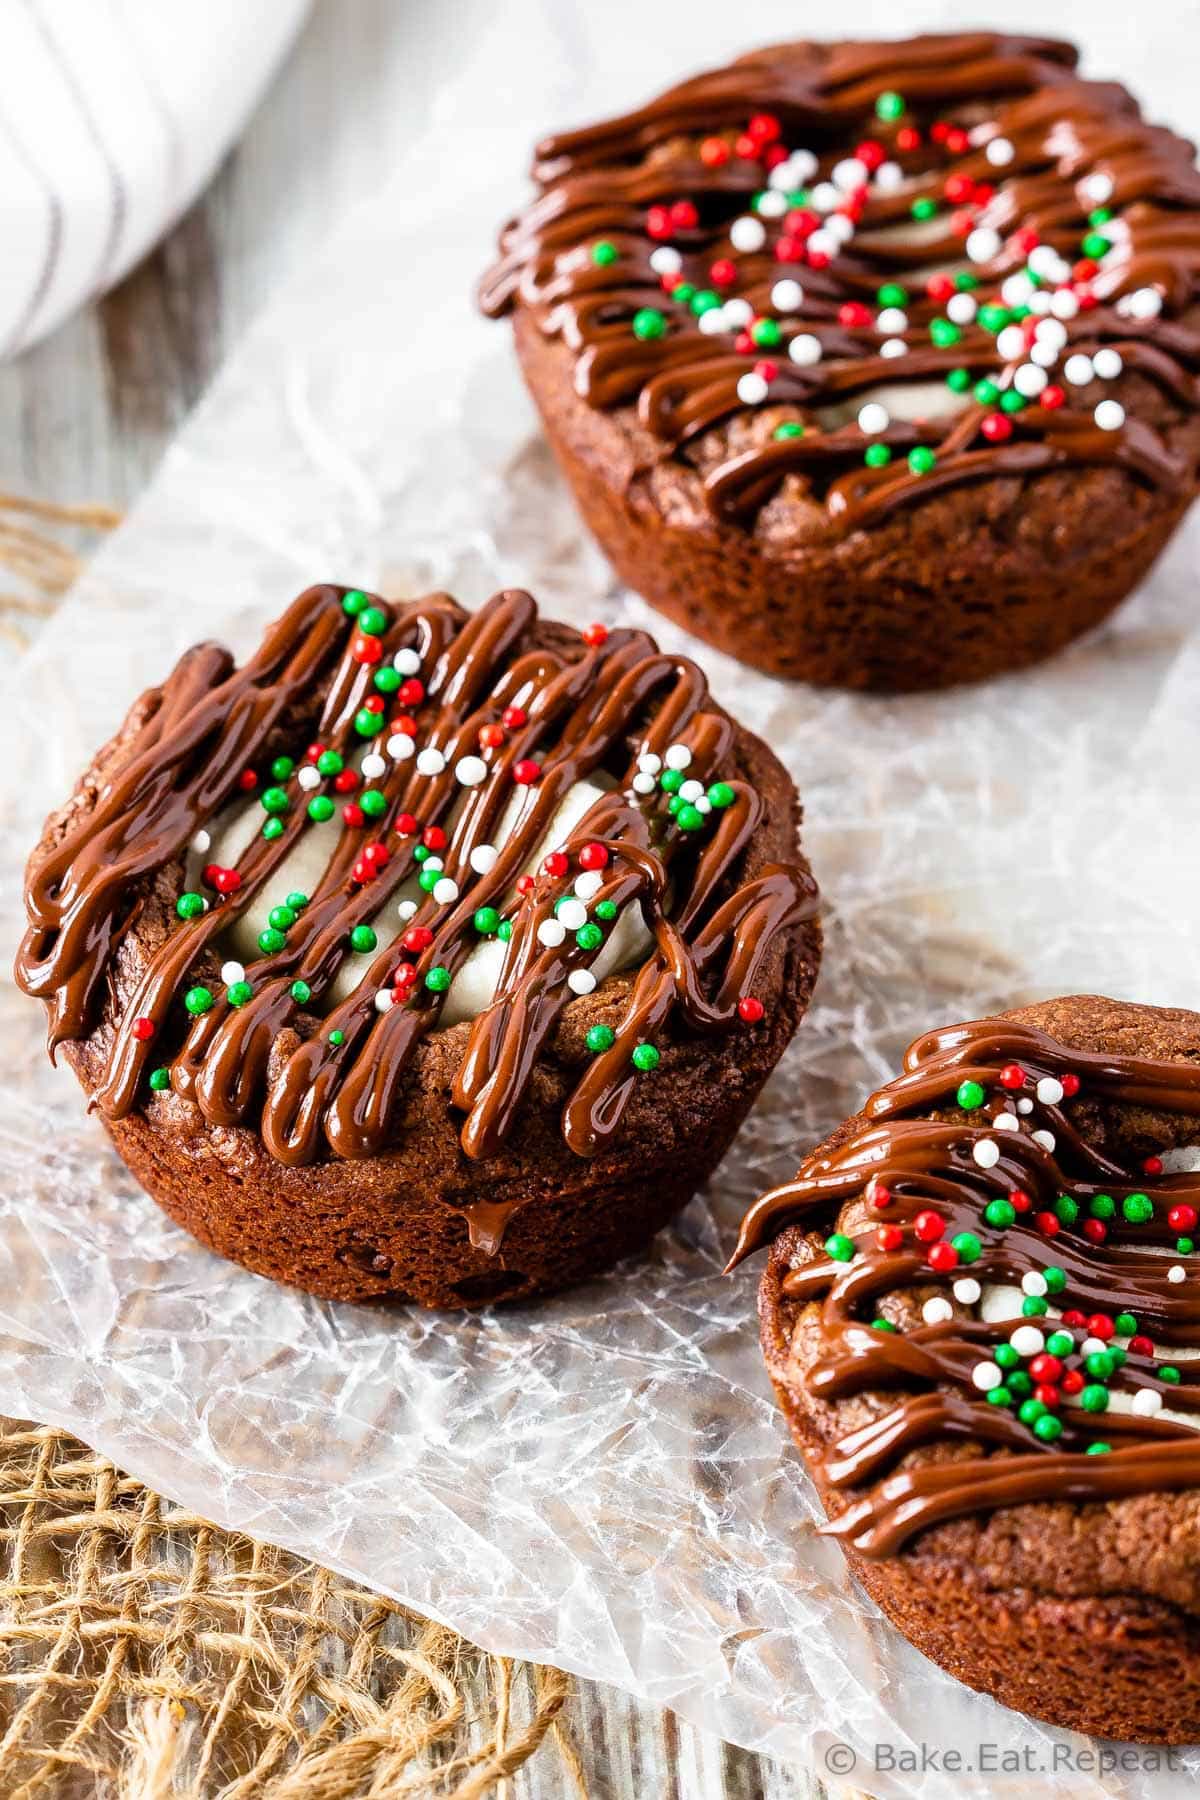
(902, 1163)
(599, 185)
(319, 1074)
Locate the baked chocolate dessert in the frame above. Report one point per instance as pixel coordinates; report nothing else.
(427, 955)
(874, 364)
(981, 1317)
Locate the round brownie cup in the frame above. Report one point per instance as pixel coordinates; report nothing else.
(426, 955)
(871, 363)
(981, 1315)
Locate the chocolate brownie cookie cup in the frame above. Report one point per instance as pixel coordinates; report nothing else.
(426, 955)
(981, 1316)
(874, 364)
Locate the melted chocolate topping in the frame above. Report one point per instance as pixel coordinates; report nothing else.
(499, 716)
(1068, 1226)
(646, 224)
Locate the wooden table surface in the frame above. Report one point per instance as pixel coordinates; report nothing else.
(85, 416)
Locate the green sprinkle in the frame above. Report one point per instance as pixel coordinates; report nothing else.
(683, 291)
(789, 429)
(921, 459)
(363, 939)
(720, 795)
(504, 930)
(1185, 1245)
(271, 941)
(486, 921)
(367, 723)
(320, 808)
(993, 318)
(999, 1396)
(373, 802)
(1020, 1382)
(238, 992)
(674, 804)
(1066, 1209)
(281, 917)
(1125, 1323)
(606, 910)
(438, 979)
(1099, 1449)
(882, 1325)
(1103, 1206)
(944, 333)
(282, 767)
(892, 294)
(589, 937)
(1100, 1364)
(297, 901)
(645, 1057)
(1033, 1306)
(1119, 1356)
(600, 1038)
(353, 602)
(965, 282)
(671, 780)
(273, 828)
(703, 300)
(968, 1246)
(387, 680)
(336, 1038)
(1031, 1411)
(1094, 1397)
(889, 105)
(648, 324)
(1000, 1213)
(924, 209)
(190, 906)
(1095, 245)
(373, 621)
(330, 763)
(1056, 1279)
(1138, 1208)
(421, 852)
(1060, 1343)
(603, 253)
(197, 1000)
(1168, 1372)
(970, 1095)
(1100, 215)
(160, 1079)
(690, 818)
(1005, 1357)
(766, 333)
(959, 380)
(986, 393)
(1047, 1428)
(301, 992)
(273, 800)
(839, 1247)
(1012, 402)
(428, 879)
(877, 456)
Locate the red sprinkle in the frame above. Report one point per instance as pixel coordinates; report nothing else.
(410, 692)
(1073, 1317)
(1070, 1086)
(353, 813)
(366, 649)
(958, 188)
(142, 1029)
(376, 854)
(853, 312)
(723, 272)
(996, 427)
(746, 147)
(404, 976)
(1012, 1076)
(406, 825)
(1020, 1200)
(870, 153)
(247, 780)
(227, 881)
(750, 1010)
(878, 1195)
(1045, 1367)
(1095, 1230)
(525, 884)
(1052, 397)
(595, 635)
(1141, 1345)
(556, 864)
(1152, 1166)
(513, 717)
(658, 223)
(942, 1257)
(1025, 240)
(889, 1237)
(491, 737)
(684, 215)
(714, 152)
(1101, 1326)
(1046, 1393)
(1048, 1223)
(417, 938)
(1182, 1217)
(374, 703)
(1072, 1382)
(907, 138)
(405, 724)
(313, 751)
(526, 772)
(346, 780)
(433, 838)
(764, 128)
(593, 856)
(939, 287)
(929, 1226)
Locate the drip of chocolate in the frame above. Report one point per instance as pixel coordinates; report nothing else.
(503, 709)
(1069, 1228)
(1001, 165)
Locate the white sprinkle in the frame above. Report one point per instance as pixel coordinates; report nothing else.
(873, 418)
(893, 347)
(783, 176)
(937, 1311)
(748, 234)
(850, 174)
(961, 308)
(986, 1153)
(1049, 1091)
(1109, 415)
(702, 803)
(1051, 331)
(772, 204)
(1043, 259)
(1027, 1340)
(678, 756)
(804, 164)
(1039, 301)
(430, 762)
(713, 321)
(666, 260)
(1177, 1273)
(752, 389)
(1107, 364)
(588, 885)
(434, 862)
(1016, 289)
(967, 1291)
(373, 765)
(983, 244)
(383, 1000)
(1045, 1138)
(400, 746)
(1043, 354)
(738, 312)
(551, 932)
(824, 197)
(838, 226)
(1006, 1121)
(805, 349)
(231, 972)
(202, 840)
(1011, 343)
(823, 243)
(1092, 1346)
(581, 981)
(445, 890)
(572, 914)
(1078, 369)
(691, 790)
(1063, 303)
(888, 177)
(643, 784)
(1033, 1283)
(471, 770)
(1029, 380)
(649, 763)
(985, 1376)
(787, 296)
(483, 858)
(1146, 1403)
(890, 321)
(406, 661)
(999, 152)
(1097, 188)
(1025, 1107)
(1145, 303)
(406, 909)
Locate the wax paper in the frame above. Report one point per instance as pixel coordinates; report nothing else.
(602, 1481)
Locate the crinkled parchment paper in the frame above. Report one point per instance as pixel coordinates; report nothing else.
(602, 1482)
